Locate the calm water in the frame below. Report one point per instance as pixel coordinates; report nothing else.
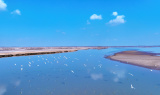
(85, 72)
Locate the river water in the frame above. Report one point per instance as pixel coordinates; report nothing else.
(85, 72)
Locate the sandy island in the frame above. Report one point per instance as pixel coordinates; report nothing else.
(25, 51)
(138, 58)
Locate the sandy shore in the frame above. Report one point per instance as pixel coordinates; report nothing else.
(25, 51)
(138, 58)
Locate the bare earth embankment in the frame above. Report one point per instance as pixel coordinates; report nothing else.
(138, 58)
(25, 51)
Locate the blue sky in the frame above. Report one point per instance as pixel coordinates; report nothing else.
(79, 22)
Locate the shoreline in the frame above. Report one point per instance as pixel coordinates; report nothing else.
(26, 51)
(137, 58)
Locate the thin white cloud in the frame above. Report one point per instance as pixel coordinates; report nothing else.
(59, 31)
(83, 28)
(17, 12)
(157, 33)
(88, 22)
(95, 16)
(115, 13)
(3, 5)
(118, 20)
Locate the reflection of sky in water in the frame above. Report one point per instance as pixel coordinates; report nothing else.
(85, 72)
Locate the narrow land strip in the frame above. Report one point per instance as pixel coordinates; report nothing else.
(25, 51)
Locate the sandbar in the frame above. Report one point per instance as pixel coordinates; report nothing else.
(138, 58)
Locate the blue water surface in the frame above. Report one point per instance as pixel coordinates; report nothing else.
(85, 72)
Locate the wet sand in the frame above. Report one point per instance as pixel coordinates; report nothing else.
(25, 51)
(138, 58)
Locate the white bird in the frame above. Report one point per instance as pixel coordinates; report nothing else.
(65, 57)
(100, 65)
(72, 71)
(132, 87)
(130, 74)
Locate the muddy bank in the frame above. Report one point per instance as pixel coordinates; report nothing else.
(138, 58)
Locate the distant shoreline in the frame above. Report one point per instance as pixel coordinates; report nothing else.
(26, 51)
(138, 58)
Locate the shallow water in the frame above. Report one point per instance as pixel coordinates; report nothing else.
(85, 72)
